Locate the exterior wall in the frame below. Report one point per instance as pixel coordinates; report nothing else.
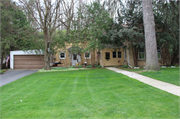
(112, 61)
(141, 63)
(67, 60)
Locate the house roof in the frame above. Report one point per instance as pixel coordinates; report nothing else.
(111, 46)
(74, 49)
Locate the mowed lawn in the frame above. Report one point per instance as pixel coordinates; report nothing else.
(96, 93)
(169, 75)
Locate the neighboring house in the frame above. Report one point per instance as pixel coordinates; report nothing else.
(109, 56)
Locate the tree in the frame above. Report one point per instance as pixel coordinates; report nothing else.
(150, 36)
(127, 29)
(49, 16)
(92, 22)
(14, 29)
(167, 30)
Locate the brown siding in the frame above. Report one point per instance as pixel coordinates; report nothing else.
(112, 61)
(28, 62)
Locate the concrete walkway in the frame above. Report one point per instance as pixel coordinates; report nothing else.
(12, 75)
(173, 89)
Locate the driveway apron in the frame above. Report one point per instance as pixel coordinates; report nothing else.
(173, 89)
(12, 75)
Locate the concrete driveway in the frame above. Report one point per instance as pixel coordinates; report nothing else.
(12, 75)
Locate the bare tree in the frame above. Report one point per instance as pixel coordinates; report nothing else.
(48, 16)
(150, 36)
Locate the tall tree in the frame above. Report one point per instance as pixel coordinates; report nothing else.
(14, 29)
(49, 15)
(167, 30)
(150, 36)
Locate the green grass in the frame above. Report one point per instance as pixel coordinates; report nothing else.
(95, 93)
(169, 75)
(133, 70)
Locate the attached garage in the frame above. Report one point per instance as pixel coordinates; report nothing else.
(26, 60)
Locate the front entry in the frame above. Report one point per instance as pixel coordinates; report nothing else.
(75, 59)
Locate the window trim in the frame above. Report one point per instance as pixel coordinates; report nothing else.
(143, 53)
(109, 56)
(159, 52)
(64, 55)
(118, 54)
(89, 55)
(113, 54)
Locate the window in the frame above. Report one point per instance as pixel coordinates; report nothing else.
(159, 52)
(114, 54)
(141, 54)
(62, 55)
(87, 55)
(107, 55)
(119, 54)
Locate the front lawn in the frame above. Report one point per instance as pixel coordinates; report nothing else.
(169, 75)
(95, 93)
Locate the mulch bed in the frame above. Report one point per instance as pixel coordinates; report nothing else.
(3, 71)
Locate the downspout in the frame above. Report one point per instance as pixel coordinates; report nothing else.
(101, 59)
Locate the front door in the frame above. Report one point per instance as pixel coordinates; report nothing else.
(74, 59)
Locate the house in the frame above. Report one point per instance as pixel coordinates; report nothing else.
(109, 56)
(71, 56)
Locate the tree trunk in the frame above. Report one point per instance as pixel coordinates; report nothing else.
(135, 55)
(47, 50)
(2, 58)
(150, 36)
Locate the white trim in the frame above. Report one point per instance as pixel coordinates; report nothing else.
(20, 52)
(64, 55)
(118, 54)
(89, 55)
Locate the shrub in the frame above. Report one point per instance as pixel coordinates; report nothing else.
(125, 66)
(89, 66)
(176, 65)
(71, 67)
(80, 66)
(96, 64)
(99, 66)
